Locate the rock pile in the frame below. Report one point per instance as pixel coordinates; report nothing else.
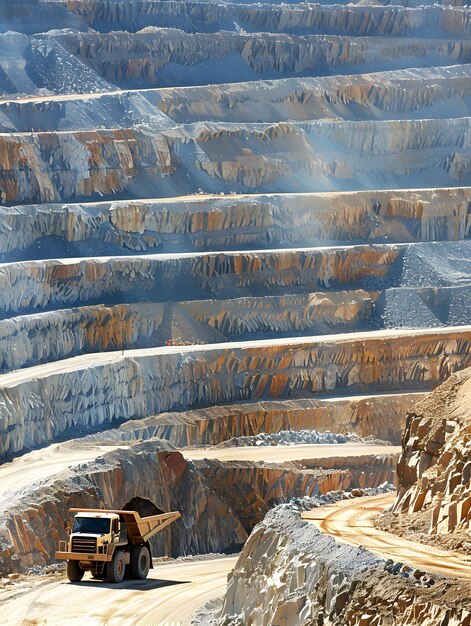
(292, 438)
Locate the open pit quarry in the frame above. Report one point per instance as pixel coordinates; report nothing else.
(235, 282)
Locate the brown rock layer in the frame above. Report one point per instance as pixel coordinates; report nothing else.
(286, 219)
(241, 157)
(52, 284)
(32, 339)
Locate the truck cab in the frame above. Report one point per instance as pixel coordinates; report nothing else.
(92, 532)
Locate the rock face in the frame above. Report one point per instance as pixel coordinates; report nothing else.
(380, 416)
(32, 16)
(37, 406)
(434, 469)
(100, 61)
(387, 95)
(262, 157)
(49, 284)
(289, 573)
(32, 286)
(220, 502)
(226, 222)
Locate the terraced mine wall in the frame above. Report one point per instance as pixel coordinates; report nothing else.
(34, 286)
(161, 57)
(365, 471)
(52, 284)
(213, 520)
(256, 157)
(191, 16)
(288, 572)
(199, 223)
(395, 94)
(38, 406)
(32, 16)
(380, 416)
(252, 489)
(137, 59)
(30, 340)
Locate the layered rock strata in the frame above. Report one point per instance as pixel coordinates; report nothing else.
(29, 340)
(68, 61)
(435, 467)
(34, 286)
(290, 156)
(432, 92)
(252, 489)
(257, 220)
(33, 339)
(163, 57)
(37, 405)
(271, 17)
(47, 284)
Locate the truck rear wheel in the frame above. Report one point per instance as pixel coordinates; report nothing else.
(74, 571)
(140, 562)
(115, 568)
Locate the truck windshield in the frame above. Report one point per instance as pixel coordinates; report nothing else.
(94, 525)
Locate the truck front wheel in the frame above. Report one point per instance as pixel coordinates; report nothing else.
(115, 568)
(74, 571)
(140, 562)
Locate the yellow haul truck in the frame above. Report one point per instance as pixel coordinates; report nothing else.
(110, 544)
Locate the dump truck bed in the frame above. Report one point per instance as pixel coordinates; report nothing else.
(139, 529)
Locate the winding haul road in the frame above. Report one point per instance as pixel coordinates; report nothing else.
(352, 522)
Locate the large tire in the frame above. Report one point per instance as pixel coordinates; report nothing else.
(115, 568)
(74, 571)
(140, 562)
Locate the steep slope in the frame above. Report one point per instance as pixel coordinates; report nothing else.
(434, 469)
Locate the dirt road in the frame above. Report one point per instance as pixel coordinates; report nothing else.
(169, 597)
(280, 454)
(351, 521)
